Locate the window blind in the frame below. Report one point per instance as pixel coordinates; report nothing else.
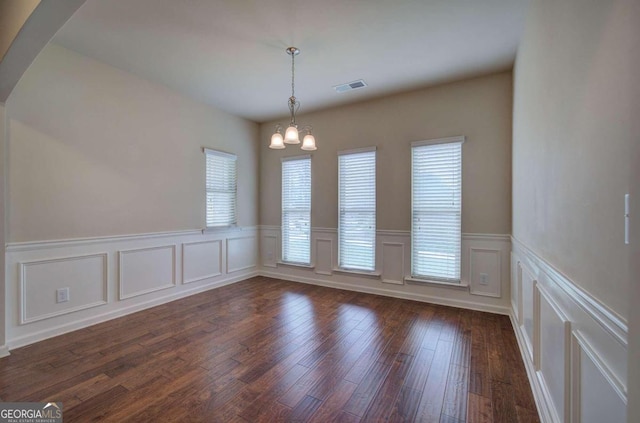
(436, 210)
(296, 210)
(357, 210)
(221, 187)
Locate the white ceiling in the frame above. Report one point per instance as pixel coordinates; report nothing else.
(231, 54)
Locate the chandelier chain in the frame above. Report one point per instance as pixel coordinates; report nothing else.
(293, 75)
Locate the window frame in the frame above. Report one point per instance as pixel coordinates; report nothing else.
(341, 265)
(234, 158)
(283, 259)
(429, 278)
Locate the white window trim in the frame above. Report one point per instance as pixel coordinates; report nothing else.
(208, 229)
(432, 280)
(300, 157)
(281, 262)
(357, 150)
(220, 153)
(461, 139)
(348, 270)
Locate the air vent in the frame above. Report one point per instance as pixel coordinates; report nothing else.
(350, 86)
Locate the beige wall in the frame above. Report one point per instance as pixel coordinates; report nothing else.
(478, 108)
(94, 151)
(13, 14)
(575, 121)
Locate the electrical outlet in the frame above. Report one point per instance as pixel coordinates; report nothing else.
(62, 295)
(484, 279)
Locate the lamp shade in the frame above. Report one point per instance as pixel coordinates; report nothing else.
(309, 143)
(291, 135)
(277, 142)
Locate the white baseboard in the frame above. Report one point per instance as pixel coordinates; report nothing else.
(390, 293)
(4, 351)
(104, 317)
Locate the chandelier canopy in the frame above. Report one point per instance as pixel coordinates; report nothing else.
(292, 134)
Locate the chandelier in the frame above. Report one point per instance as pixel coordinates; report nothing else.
(291, 134)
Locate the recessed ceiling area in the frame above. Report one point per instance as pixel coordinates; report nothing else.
(231, 54)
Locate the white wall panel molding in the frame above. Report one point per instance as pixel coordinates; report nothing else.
(72, 242)
(269, 247)
(145, 270)
(393, 266)
(66, 326)
(611, 322)
(388, 232)
(39, 280)
(201, 260)
(236, 253)
(393, 262)
(324, 256)
(485, 261)
(516, 279)
(322, 230)
(574, 348)
(598, 395)
(553, 352)
(487, 237)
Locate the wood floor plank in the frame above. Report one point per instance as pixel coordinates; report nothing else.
(332, 406)
(433, 394)
(479, 409)
(502, 403)
(268, 350)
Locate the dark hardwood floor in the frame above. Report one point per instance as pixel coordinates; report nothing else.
(267, 350)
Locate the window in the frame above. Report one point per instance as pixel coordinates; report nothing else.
(296, 210)
(221, 188)
(436, 209)
(357, 209)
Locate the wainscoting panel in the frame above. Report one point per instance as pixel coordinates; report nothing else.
(598, 398)
(516, 289)
(146, 270)
(554, 352)
(574, 348)
(485, 262)
(324, 256)
(393, 262)
(201, 260)
(268, 248)
(528, 292)
(84, 276)
(393, 265)
(110, 277)
(242, 253)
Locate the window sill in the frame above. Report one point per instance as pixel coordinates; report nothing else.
(214, 229)
(442, 284)
(302, 265)
(373, 275)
